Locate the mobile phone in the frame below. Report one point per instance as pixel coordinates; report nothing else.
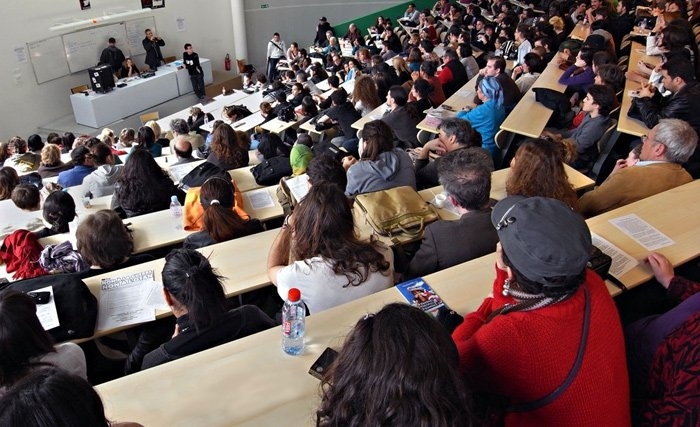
(321, 365)
(40, 297)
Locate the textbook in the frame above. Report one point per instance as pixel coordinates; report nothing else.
(419, 294)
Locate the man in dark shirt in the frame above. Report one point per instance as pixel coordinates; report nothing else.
(496, 67)
(679, 78)
(191, 60)
(466, 178)
(401, 118)
(113, 56)
(344, 114)
(321, 29)
(152, 44)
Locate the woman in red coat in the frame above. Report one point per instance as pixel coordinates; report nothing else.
(546, 348)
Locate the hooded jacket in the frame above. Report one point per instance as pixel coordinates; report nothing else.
(101, 181)
(391, 169)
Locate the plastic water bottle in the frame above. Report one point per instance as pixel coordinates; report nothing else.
(293, 313)
(176, 211)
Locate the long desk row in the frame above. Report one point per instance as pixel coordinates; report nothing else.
(100, 109)
(271, 387)
(627, 124)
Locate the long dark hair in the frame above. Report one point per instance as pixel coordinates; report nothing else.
(143, 186)
(220, 220)
(377, 138)
(323, 223)
(226, 147)
(22, 338)
(190, 279)
(59, 210)
(52, 397)
(398, 368)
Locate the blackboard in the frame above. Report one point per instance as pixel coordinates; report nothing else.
(83, 48)
(48, 59)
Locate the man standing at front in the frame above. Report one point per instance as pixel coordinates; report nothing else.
(113, 56)
(191, 60)
(152, 44)
(667, 146)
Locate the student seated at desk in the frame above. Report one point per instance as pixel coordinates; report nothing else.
(487, 117)
(221, 222)
(537, 170)
(26, 346)
(58, 211)
(364, 95)
(453, 134)
(102, 180)
(669, 144)
(544, 294)
(598, 103)
(466, 178)
(82, 167)
(381, 165)
(318, 252)
(51, 397)
(26, 197)
(51, 164)
(397, 368)
(226, 150)
(195, 293)
(662, 353)
(143, 187)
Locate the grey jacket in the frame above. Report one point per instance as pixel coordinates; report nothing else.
(101, 181)
(391, 169)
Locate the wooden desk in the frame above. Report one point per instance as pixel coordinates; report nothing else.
(529, 117)
(214, 108)
(278, 126)
(626, 124)
(375, 114)
(269, 386)
(673, 212)
(580, 31)
(267, 213)
(244, 179)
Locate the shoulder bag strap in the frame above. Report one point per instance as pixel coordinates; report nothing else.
(536, 404)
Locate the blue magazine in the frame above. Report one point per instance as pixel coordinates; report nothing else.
(419, 294)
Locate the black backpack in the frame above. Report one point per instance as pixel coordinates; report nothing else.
(197, 176)
(287, 114)
(76, 306)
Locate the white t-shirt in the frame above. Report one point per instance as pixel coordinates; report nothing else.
(322, 289)
(69, 357)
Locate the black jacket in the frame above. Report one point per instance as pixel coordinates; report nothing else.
(237, 323)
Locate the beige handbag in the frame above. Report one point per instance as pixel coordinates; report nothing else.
(399, 210)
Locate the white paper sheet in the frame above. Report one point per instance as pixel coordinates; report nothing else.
(47, 314)
(155, 297)
(642, 232)
(298, 186)
(123, 301)
(622, 262)
(260, 199)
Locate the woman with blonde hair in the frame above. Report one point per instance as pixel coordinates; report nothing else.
(403, 73)
(537, 170)
(364, 95)
(51, 163)
(155, 127)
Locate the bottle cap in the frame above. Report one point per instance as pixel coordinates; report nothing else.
(173, 198)
(294, 295)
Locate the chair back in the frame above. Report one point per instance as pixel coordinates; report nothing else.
(148, 117)
(78, 89)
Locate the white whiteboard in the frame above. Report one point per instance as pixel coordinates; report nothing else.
(48, 59)
(135, 34)
(83, 48)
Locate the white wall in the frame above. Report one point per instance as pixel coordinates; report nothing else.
(26, 105)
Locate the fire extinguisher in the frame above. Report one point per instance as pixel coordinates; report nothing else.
(227, 62)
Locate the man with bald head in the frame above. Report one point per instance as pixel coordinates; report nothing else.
(183, 152)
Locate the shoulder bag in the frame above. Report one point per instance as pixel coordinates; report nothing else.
(399, 210)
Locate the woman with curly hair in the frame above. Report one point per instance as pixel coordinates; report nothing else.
(364, 95)
(143, 186)
(538, 170)
(8, 181)
(58, 211)
(318, 252)
(226, 151)
(398, 367)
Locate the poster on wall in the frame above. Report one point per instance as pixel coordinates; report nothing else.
(153, 4)
(84, 4)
